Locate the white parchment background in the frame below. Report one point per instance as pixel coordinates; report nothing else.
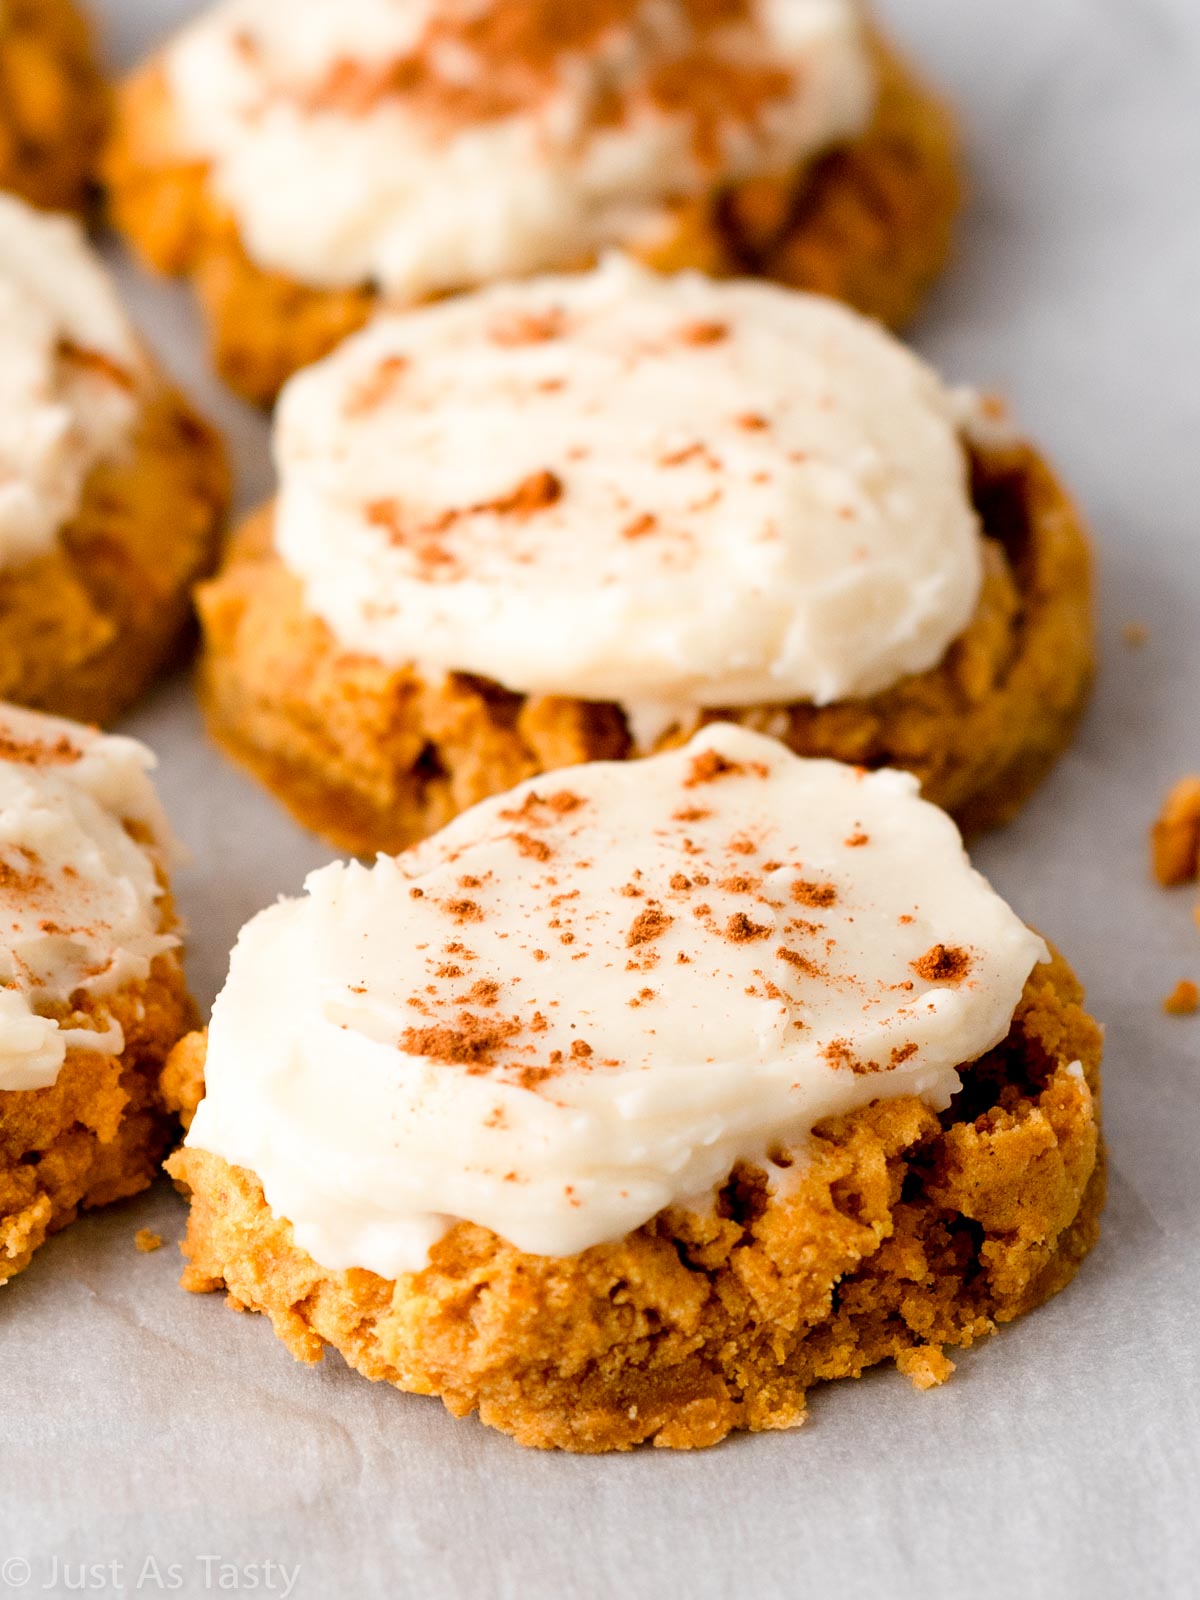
(1062, 1459)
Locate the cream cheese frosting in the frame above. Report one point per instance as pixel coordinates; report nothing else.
(426, 145)
(589, 998)
(69, 368)
(622, 486)
(79, 894)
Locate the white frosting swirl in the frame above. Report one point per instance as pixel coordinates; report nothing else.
(69, 365)
(425, 145)
(79, 895)
(588, 999)
(620, 486)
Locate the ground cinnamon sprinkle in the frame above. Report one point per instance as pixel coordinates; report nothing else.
(704, 332)
(527, 327)
(535, 493)
(819, 896)
(473, 1043)
(561, 804)
(377, 388)
(839, 1054)
(534, 849)
(801, 963)
(714, 92)
(464, 910)
(738, 885)
(23, 881)
(740, 930)
(640, 526)
(1183, 1000)
(475, 64)
(708, 766)
(943, 964)
(649, 924)
(31, 753)
(1175, 836)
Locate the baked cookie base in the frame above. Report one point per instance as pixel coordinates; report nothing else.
(99, 1133)
(871, 223)
(53, 103)
(85, 629)
(898, 1234)
(373, 757)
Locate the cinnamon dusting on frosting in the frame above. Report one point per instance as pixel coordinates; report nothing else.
(648, 925)
(943, 964)
(817, 895)
(477, 64)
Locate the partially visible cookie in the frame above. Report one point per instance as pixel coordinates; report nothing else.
(304, 168)
(113, 491)
(53, 103)
(574, 518)
(92, 993)
(645, 1097)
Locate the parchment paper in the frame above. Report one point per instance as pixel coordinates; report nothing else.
(154, 1442)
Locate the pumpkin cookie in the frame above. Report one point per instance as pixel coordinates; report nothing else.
(92, 993)
(303, 167)
(53, 103)
(572, 519)
(112, 492)
(643, 1098)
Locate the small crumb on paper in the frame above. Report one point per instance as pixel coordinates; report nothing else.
(1135, 634)
(1183, 1000)
(1175, 836)
(145, 1240)
(925, 1366)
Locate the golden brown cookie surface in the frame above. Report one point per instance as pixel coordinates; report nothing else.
(53, 103)
(93, 992)
(870, 223)
(906, 1233)
(86, 628)
(373, 758)
(100, 1132)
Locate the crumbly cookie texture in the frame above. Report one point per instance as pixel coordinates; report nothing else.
(99, 1133)
(906, 1233)
(53, 103)
(1175, 836)
(373, 757)
(86, 628)
(870, 223)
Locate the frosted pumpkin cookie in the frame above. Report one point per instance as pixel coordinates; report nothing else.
(571, 519)
(644, 1097)
(92, 993)
(53, 103)
(112, 491)
(304, 165)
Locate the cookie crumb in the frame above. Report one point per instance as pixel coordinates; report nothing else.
(146, 1240)
(925, 1366)
(1135, 634)
(1175, 836)
(1183, 1000)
